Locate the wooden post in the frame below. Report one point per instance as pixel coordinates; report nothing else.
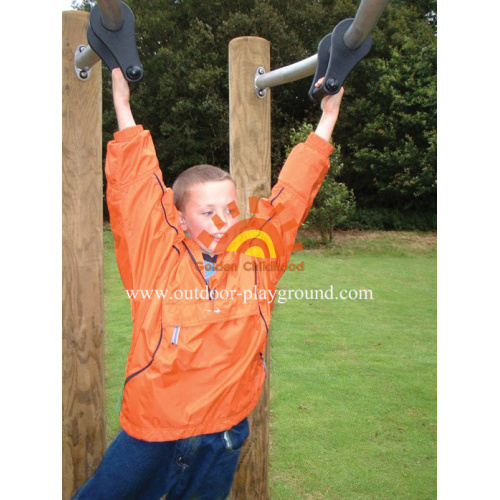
(250, 167)
(84, 436)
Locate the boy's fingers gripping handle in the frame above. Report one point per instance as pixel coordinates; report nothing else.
(328, 87)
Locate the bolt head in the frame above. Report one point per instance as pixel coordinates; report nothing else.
(332, 85)
(134, 72)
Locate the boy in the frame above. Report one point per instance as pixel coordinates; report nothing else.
(195, 368)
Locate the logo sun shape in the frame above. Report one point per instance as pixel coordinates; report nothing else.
(253, 236)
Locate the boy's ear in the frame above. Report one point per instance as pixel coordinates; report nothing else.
(182, 222)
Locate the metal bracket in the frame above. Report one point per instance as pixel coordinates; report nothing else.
(335, 61)
(261, 93)
(117, 48)
(83, 74)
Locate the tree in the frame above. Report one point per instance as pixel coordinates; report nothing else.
(389, 128)
(334, 203)
(387, 125)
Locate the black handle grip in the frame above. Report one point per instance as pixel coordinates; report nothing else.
(328, 87)
(335, 61)
(116, 48)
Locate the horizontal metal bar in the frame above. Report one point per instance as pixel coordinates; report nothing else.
(367, 17)
(112, 19)
(287, 74)
(86, 58)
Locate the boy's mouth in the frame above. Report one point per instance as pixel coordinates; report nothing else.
(217, 236)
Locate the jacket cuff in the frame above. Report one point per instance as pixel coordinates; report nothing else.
(319, 144)
(127, 133)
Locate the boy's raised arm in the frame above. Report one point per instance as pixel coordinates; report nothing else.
(330, 106)
(121, 100)
(301, 178)
(143, 217)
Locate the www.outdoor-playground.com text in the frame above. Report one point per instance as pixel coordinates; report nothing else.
(281, 295)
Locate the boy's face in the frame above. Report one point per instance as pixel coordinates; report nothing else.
(205, 201)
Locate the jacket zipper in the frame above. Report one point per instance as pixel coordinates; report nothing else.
(201, 274)
(150, 362)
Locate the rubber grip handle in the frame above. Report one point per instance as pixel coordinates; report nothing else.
(335, 61)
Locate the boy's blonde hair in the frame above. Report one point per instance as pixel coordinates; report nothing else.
(199, 174)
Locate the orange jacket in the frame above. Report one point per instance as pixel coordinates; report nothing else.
(195, 366)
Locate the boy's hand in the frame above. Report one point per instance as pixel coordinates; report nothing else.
(330, 105)
(121, 99)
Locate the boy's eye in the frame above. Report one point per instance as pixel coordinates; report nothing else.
(208, 213)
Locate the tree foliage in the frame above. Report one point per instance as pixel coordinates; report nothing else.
(389, 129)
(387, 125)
(335, 203)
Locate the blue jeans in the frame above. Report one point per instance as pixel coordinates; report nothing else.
(200, 467)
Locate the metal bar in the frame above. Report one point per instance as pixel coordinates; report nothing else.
(287, 74)
(367, 16)
(86, 58)
(112, 14)
(112, 19)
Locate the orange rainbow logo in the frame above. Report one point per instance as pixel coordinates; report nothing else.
(254, 236)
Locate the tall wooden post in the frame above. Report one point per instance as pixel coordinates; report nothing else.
(250, 166)
(84, 436)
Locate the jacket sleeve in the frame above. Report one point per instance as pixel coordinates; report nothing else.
(143, 217)
(293, 195)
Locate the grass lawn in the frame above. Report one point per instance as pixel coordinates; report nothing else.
(353, 382)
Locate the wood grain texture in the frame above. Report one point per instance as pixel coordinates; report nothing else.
(83, 429)
(250, 167)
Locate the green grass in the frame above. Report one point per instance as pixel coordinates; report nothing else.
(118, 329)
(353, 382)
